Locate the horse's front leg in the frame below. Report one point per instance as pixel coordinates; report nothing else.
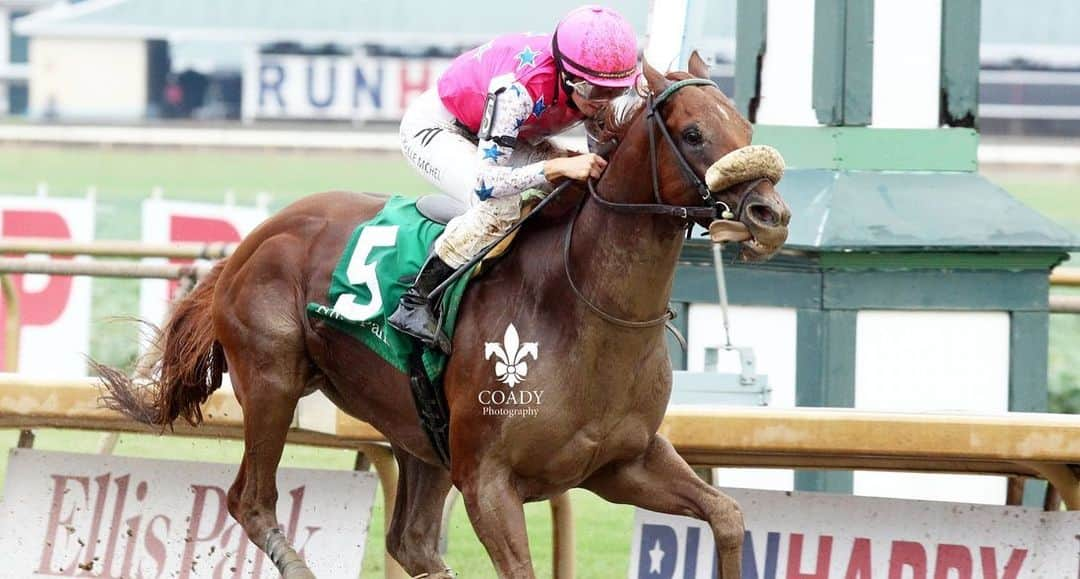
(498, 517)
(660, 480)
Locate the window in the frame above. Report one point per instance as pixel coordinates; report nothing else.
(19, 44)
(18, 99)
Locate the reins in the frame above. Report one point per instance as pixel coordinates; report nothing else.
(713, 209)
(667, 315)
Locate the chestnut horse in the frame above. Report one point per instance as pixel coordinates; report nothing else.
(601, 359)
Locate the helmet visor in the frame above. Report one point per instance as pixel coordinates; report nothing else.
(592, 92)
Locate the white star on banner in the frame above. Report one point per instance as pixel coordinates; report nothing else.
(656, 556)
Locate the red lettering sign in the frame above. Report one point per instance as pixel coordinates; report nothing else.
(859, 566)
(77, 518)
(155, 542)
(907, 554)
(183, 228)
(824, 554)
(194, 536)
(43, 306)
(115, 524)
(61, 518)
(952, 558)
(410, 86)
(1012, 567)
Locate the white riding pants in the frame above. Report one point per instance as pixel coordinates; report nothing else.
(446, 155)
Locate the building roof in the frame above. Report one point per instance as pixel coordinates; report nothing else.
(842, 211)
(25, 4)
(1043, 31)
(315, 21)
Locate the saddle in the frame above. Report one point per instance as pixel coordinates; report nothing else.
(428, 393)
(440, 208)
(392, 246)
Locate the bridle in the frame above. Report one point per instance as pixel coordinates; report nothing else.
(713, 208)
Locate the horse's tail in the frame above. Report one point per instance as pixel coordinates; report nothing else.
(180, 370)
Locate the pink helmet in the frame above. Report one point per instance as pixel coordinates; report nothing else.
(598, 45)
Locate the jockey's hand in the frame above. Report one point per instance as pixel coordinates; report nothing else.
(578, 168)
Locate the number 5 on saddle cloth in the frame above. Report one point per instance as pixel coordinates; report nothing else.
(378, 265)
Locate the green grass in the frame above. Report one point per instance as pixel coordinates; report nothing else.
(124, 174)
(123, 177)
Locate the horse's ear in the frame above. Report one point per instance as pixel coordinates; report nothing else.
(697, 66)
(656, 80)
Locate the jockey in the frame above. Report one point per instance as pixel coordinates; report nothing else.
(481, 134)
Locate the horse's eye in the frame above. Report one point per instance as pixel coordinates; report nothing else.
(692, 137)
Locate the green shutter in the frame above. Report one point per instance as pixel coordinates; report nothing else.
(750, 18)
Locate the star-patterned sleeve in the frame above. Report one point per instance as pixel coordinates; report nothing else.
(495, 176)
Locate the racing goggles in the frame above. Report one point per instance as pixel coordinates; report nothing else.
(592, 92)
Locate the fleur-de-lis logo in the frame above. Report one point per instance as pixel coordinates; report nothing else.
(510, 368)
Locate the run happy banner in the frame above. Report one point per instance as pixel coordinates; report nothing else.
(86, 515)
(824, 536)
(343, 87)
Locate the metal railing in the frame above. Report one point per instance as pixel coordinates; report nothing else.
(1065, 277)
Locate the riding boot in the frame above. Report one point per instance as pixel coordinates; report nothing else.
(415, 315)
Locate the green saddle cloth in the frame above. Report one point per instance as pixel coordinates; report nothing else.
(378, 265)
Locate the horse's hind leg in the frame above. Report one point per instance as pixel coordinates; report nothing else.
(268, 368)
(413, 535)
(268, 395)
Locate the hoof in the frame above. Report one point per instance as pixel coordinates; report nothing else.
(284, 557)
(447, 573)
(300, 571)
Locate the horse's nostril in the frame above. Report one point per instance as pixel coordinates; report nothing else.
(764, 214)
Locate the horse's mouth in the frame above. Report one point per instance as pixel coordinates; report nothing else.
(754, 250)
(764, 241)
(756, 247)
(757, 243)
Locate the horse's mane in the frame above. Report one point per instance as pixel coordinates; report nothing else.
(616, 118)
(607, 129)
(620, 113)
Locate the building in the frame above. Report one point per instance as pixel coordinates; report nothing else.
(14, 56)
(112, 59)
(1030, 54)
(130, 60)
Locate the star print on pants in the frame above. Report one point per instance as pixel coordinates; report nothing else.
(492, 152)
(484, 192)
